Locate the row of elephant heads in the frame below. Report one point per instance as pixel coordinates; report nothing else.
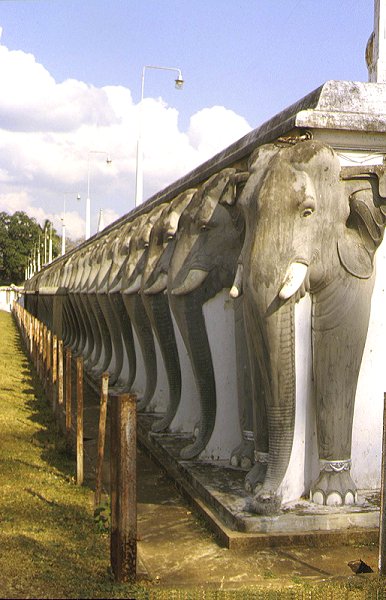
(294, 222)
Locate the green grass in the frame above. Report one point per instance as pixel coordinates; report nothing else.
(50, 544)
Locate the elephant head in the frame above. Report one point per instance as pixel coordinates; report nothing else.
(139, 244)
(161, 244)
(153, 286)
(305, 233)
(131, 282)
(207, 246)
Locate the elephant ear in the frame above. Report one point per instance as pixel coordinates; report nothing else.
(365, 227)
(233, 188)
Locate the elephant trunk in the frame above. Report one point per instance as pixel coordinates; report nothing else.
(278, 371)
(140, 322)
(157, 308)
(190, 319)
(125, 380)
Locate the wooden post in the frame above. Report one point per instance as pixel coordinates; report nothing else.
(101, 437)
(382, 512)
(49, 356)
(44, 337)
(54, 370)
(68, 399)
(59, 406)
(39, 348)
(79, 420)
(123, 454)
(31, 337)
(35, 330)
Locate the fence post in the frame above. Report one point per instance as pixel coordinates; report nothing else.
(31, 337)
(49, 356)
(382, 515)
(123, 454)
(79, 420)
(54, 370)
(68, 399)
(60, 372)
(101, 437)
(40, 350)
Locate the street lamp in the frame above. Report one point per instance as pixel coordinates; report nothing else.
(88, 208)
(179, 82)
(63, 219)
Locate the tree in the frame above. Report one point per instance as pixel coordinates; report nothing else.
(20, 237)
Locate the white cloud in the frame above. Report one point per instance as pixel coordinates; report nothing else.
(213, 129)
(47, 130)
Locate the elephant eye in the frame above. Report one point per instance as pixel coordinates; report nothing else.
(204, 227)
(307, 212)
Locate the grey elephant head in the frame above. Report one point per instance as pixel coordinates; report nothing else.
(302, 235)
(208, 243)
(138, 247)
(155, 301)
(117, 255)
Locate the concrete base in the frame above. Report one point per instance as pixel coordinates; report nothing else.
(217, 491)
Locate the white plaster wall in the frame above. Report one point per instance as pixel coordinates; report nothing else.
(160, 400)
(139, 384)
(368, 415)
(4, 305)
(188, 412)
(219, 319)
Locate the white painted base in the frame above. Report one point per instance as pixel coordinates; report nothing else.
(219, 319)
(188, 412)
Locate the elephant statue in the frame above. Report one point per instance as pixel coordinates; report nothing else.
(310, 228)
(117, 255)
(208, 244)
(130, 287)
(155, 301)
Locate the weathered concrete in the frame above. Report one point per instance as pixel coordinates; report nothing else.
(348, 118)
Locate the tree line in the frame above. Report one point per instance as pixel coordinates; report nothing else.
(22, 242)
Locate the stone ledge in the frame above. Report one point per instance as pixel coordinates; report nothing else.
(216, 491)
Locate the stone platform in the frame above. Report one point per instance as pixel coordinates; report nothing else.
(217, 491)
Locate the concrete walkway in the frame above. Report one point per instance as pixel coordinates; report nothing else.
(177, 550)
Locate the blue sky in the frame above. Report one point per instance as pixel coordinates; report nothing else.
(248, 58)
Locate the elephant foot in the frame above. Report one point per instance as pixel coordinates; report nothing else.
(196, 430)
(334, 486)
(266, 502)
(142, 403)
(161, 425)
(256, 476)
(244, 454)
(192, 451)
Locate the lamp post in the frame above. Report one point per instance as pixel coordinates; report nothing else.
(63, 219)
(179, 82)
(88, 207)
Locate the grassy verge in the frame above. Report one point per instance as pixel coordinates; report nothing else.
(50, 546)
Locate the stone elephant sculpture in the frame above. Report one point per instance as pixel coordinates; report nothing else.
(207, 247)
(132, 299)
(310, 230)
(155, 300)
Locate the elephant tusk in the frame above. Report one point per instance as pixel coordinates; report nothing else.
(296, 274)
(235, 292)
(158, 286)
(192, 281)
(135, 286)
(237, 287)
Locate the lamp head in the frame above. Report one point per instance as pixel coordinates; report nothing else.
(78, 196)
(179, 82)
(109, 159)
